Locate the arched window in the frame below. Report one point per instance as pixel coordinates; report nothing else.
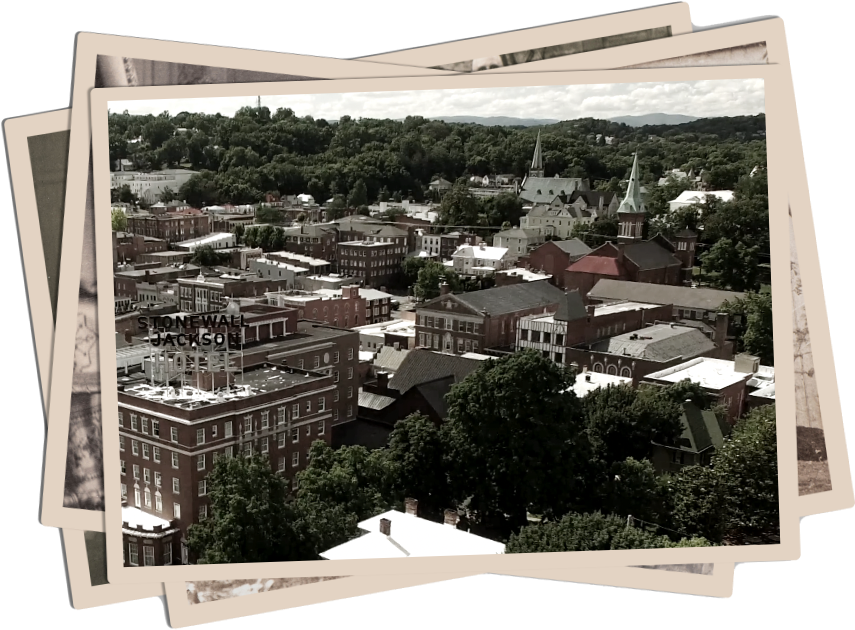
(611, 370)
(625, 371)
(598, 367)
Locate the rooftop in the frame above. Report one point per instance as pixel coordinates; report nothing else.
(662, 342)
(411, 536)
(586, 382)
(707, 372)
(138, 519)
(204, 240)
(509, 298)
(700, 298)
(478, 251)
(527, 274)
(620, 307)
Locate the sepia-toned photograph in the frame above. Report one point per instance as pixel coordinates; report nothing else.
(558, 50)
(380, 325)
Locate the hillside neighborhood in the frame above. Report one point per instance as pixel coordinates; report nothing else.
(487, 354)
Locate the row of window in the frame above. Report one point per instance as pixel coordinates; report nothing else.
(612, 369)
(148, 555)
(426, 340)
(447, 323)
(537, 336)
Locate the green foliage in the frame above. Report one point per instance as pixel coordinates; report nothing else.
(238, 230)
(514, 428)
(126, 196)
(268, 214)
(167, 195)
(358, 195)
(207, 256)
(754, 333)
(249, 519)
(119, 221)
(735, 265)
(200, 190)
(430, 276)
(698, 505)
(459, 207)
(336, 209)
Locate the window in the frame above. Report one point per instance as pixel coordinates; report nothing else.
(295, 458)
(281, 438)
(459, 345)
(176, 486)
(295, 435)
(335, 396)
(156, 453)
(281, 467)
(265, 422)
(200, 436)
(280, 416)
(625, 371)
(317, 361)
(176, 510)
(135, 447)
(265, 447)
(145, 451)
(124, 491)
(145, 425)
(247, 424)
(121, 420)
(155, 428)
(295, 410)
(175, 460)
(203, 512)
(203, 487)
(349, 373)
(300, 364)
(228, 429)
(349, 354)
(136, 471)
(349, 411)
(308, 406)
(559, 340)
(167, 554)
(133, 555)
(322, 403)
(158, 502)
(137, 497)
(134, 423)
(350, 392)
(247, 449)
(124, 466)
(335, 414)
(147, 495)
(335, 376)
(200, 462)
(228, 452)
(173, 434)
(335, 356)
(157, 479)
(214, 431)
(146, 475)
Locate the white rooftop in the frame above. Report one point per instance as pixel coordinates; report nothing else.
(527, 274)
(477, 251)
(476, 355)
(411, 536)
(205, 240)
(281, 265)
(586, 382)
(709, 373)
(404, 327)
(366, 356)
(138, 519)
(620, 307)
(694, 196)
(309, 260)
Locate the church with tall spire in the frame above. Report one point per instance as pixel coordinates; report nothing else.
(632, 211)
(537, 189)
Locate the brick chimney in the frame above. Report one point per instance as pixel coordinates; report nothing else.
(385, 527)
(721, 323)
(444, 288)
(411, 506)
(382, 381)
(451, 517)
(591, 308)
(620, 251)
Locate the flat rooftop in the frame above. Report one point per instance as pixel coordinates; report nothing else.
(621, 307)
(707, 372)
(586, 382)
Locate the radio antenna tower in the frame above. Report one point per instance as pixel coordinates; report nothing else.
(259, 102)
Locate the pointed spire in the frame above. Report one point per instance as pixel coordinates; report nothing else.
(633, 202)
(536, 169)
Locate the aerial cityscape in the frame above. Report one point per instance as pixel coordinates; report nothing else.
(377, 337)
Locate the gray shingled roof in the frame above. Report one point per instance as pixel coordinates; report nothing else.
(368, 400)
(650, 255)
(514, 297)
(681, 297)
(389, 359)
(661, 343)
(549, 187)
(424, 366)
(592, 197)
(701, 430)
(573, 246)
(571, 307)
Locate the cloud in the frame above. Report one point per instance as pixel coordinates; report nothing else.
(731, 97)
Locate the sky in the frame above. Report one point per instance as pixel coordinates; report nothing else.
(730, 97)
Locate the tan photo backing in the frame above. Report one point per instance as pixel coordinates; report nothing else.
(74, 265)
(675, 15)
(183, 612)
(764, 41)
(86, 595)
(782, 315)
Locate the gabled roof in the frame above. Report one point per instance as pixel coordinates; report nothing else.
(573, 246)
(439, 181)
(600, 265)
(700, 298)
(592, 197)
(661, 343)
(510, 298)
(368, 400)
(633, 202)
(549, 188)
(571, 307)
(389, 359)
(650, 255)
(519, 233)
(476, 251)
(701, 430)
(422, 366)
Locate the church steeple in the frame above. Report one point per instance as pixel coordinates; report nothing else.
(536, 169)
(632, 209)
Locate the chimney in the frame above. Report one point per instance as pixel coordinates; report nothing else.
(444, 289)
(382, 381)
(396, 345)
(481, 245)
(411, 506)
(721, 324)
(385, 527)
(591, 310)
(620, 248)
(451, 517)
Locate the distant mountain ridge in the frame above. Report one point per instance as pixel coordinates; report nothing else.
(511, 121)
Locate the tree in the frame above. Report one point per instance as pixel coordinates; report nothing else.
(588, 532)
(754, 331)
(747, 470)
(200, 190)
(416, 454)
(337, 208)
(119, 221)
(238, 230)
(157, 131)
(249, 519)
(431, 275)
(167, 195)
(207, 256)
(268, 214)
(515, 439)
(733, 264)
(358, 195)
(126, 196)
(459, 207)
(698, 502)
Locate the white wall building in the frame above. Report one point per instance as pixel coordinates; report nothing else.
(481, 260)
(689, 197)
(148, 186)
(218, 240)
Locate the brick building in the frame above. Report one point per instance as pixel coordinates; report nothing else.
(125, 283)
(132, 247)
(201, 293)
(476, 321)
(553, 257)
(171, 227)
(345, 308)
(378, 262)
(314, 240)
(171, 436)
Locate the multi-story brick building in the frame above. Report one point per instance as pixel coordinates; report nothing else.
(345, 307)
(125, 283)
(313, 240)
(315, 266)
(200, 294)
(132, 247)
(378, 262)
(172, 227)
(287, 393)
(477, 321)
(553, 257)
